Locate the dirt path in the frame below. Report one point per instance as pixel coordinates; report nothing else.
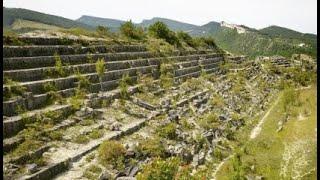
(220, 165)
(256, 131)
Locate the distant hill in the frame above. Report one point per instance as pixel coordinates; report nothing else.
(172, 24)
(239, 39)
(256, 43)
(10, 15)
(97, 21)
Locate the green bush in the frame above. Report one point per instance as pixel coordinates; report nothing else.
(95, 134)
(186, 38)
(124, 85)
(129, 30)
(168, 131)
(160, 169)
(112, 153)
(102, 31)
(58, 66)
(159, 46)
(160, 30)
(238, 172)
(184, 173)
(83, 81)
(13, 89)
(290, 98)
(100, 69)
(209, 121)
(81, 139)
(151, 148)
(205, 42)
(166, 75)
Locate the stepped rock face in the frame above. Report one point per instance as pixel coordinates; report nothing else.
(35, 92)
(58, 109)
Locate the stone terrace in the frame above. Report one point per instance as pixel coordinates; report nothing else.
(43, 136)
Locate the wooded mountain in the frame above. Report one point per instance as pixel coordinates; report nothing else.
(267, 41)
(12, 14)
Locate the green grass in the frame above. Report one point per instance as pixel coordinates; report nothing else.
(268, 150)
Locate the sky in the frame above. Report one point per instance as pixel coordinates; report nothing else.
(299, 15)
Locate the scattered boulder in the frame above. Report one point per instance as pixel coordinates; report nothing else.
(105, 175)
(115, 126)
(31, 168)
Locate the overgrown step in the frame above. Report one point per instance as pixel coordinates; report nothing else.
(47, 50)
(45, 41)
(49, 61)
(13, 125)
(187, 70)
(23, 75)
(110, 82)
(37, 87)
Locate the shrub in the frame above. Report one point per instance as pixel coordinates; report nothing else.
(218, 154)
(13, 89)
(125, 80)
(81, 139)
(160, 169)
(205, 42)
(95, 134)
(160, 30)
(209, 121)
(84, 82)
(238, 172)
(186, 38)
(100, 69)
(58, 66)
(92, 172)
(77, 100)
(290, 98)
(166, 76)
(112, 153)
(129, 30)
(102, 31)
(151, 147)
(159, 46)
(184, 173)
(168, 131)
(55, 135)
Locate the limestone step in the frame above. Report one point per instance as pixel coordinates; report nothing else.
(187, 76)
(209, 71)
(13, 125)
(210, 66)
(181, 65)
(39, 100)
(49, 61)
(210, 60)
(37, 87)
(49, 50)
(46, 41)
(188, 70)
(24, 75)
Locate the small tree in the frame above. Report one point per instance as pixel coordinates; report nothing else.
(102, 30)
(186, 38)
(100, 68)
(160, 30)
(125, 80)
(58, 65)
(129, 30)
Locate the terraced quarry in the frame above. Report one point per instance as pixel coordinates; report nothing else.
(62, 114)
